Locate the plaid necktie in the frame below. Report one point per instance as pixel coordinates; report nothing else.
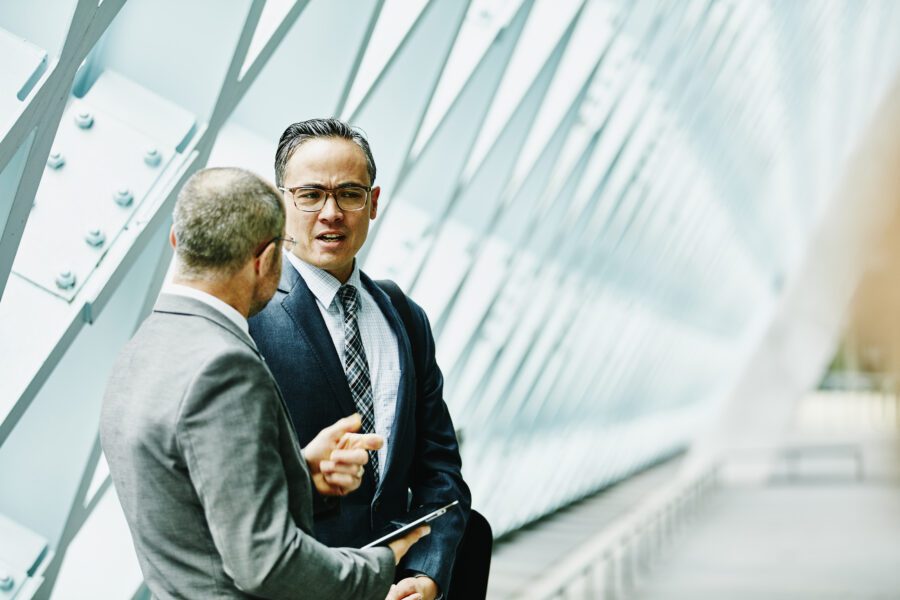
(357, 367)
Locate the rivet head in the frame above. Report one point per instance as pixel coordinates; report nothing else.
(152, 157)
(84, 119)
(65, 280)
(123, 197)
(95, 237)
(56, 160)
(6, 581)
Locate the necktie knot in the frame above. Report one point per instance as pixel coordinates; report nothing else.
(349, 300)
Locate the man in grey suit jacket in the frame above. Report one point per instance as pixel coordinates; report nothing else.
(203, 456)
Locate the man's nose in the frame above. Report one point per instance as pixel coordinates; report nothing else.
(331, 210)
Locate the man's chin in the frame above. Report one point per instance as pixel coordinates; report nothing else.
(331, 263)
(320, 260)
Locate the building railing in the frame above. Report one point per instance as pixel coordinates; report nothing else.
(609, 565)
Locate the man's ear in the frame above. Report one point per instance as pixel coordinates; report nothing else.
(373, 210)
(172, 239)
(265, 262)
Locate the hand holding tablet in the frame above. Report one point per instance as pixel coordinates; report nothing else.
(401, 546)
(404, 529)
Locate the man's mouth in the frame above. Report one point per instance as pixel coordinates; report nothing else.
(330, 237)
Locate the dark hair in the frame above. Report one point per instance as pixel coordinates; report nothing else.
(303, 131)
(221, 216)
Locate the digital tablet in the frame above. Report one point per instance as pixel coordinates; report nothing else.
(404, 528)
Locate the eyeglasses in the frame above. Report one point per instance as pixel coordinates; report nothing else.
(312, 199)
(288, 242)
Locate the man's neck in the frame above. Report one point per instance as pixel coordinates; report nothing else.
(342, 274)
(226, 291)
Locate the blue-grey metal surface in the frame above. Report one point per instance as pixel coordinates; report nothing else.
(79, 198)
(21, 65)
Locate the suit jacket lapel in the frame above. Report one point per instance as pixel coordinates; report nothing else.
(406, 392)
(301, 307)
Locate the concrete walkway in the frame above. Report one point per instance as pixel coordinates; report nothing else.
(821, 536)
(816, 519)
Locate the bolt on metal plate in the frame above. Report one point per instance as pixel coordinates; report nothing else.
(123, 197)
(152, 157)
(56, 160)
(6, 581)
(95, 238)
(84, 119)
(65, 280)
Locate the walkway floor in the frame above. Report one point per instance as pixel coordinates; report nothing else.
(824, 533)
(822, 536)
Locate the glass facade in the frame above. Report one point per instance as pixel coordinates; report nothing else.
(597, 203)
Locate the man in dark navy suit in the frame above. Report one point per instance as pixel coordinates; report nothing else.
(337, 345)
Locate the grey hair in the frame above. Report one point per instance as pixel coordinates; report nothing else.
(221, 217)
(301, 132)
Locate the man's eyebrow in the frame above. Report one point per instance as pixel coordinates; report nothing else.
(319, 186)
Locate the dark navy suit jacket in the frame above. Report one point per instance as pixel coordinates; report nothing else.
(423, 463)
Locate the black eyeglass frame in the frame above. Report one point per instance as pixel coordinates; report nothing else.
(281, 238)
(333, 192)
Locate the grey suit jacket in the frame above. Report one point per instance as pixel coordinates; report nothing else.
(209, 473)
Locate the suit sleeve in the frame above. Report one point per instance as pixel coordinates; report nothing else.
(230, 433)
(437, 466)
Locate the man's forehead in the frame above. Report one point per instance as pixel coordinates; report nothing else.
(329, 148)
(328, 155)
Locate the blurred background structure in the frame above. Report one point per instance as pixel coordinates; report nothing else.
(657, 241)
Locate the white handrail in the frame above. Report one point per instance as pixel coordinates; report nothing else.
(653, 517)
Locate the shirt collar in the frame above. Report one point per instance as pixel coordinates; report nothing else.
(227, 310)
(321, 283)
